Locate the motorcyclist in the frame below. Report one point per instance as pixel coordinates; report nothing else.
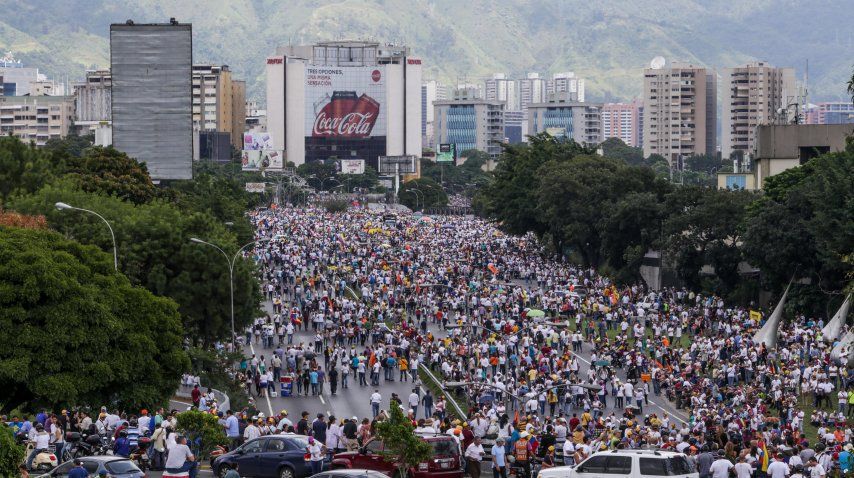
(122, 445)
(523, 453)
(41, 441)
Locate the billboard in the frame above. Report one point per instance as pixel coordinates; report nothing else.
(253, 159)
(345, 114)
(257, 141)
(446, 153)
(352, 166)
(151, 69)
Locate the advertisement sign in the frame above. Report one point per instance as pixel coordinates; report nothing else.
(257, 141)
(253, 160)
(256, 187)
(446, 153)
(345, 112)
(352, 166)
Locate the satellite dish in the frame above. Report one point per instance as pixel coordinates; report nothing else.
(657, 63)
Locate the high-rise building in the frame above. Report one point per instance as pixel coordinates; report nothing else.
(680, 111)
(344, 100)
(566, 82)
(219, 102)
(532, 89)
(753, 95)
(468, 91)
(151, 67)
(431, 91)
(36, 118)
(17, 79)
(499, 88)
(560, 117)
(93, 100)
(470, 124)
(833, 112)
(514, 125)
(623, 120)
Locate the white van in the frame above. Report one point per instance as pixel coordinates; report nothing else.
(627, 464)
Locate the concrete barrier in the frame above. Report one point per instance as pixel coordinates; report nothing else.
(222, 400)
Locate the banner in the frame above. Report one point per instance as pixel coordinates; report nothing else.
(253, 160)
(256, 187)
(446, 153)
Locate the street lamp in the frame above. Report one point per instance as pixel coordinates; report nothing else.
(63, 206)
(420, 194)
(230, 261)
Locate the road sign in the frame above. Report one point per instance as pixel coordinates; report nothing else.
(398, 164)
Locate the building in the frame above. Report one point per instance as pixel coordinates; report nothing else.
(499, 88)
(835, 112)
(344, 100)
(431, 91)
(753, 95)
(93, 100)
(566, 82)
(468, 91)
(151, 67)
(624, 121)
(680, 111)
(219, 102)
(256, 118)
(36, 118)
(18, 80)
(532, 89)
(514, 125)
(470, 124)
(568, 119)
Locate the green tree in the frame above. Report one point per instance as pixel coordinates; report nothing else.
(11, 454)
(401, 445)
(202, 430)
(111, 172)
(23, 168)
(78, 334)
(511, 198)
(72, 145)
(430, 194)
(155, 252)
(704, 227)
(319, 174)
(615, 148)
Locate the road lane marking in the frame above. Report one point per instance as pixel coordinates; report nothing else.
(266, 392)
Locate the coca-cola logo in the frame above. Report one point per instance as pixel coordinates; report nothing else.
(375, 75)
(351, 124)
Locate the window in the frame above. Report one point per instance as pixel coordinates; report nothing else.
(120, 467)
(679, 465)
(444, 448)
(594, 464)
(618, 465)
(275, 445)
(253, 446)
(374, 446)
(653, 466)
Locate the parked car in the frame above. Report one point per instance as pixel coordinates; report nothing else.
(445, 463)
(627, 464)
(349, 474)
(272, 456)
(116, 466)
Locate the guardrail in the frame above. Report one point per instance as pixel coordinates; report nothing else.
(222, 400)
(448, 398)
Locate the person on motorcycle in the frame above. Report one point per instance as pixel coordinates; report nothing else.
(549, 458)
(523, 453)
(41, 440)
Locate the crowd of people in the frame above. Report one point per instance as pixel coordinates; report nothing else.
(537, 346)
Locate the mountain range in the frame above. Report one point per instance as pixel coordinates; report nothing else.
(607, 42)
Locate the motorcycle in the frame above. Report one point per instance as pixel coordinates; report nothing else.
(44, 461)
(140, 454)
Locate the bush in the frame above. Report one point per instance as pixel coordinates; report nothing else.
(202, 430)
(336, 205)
(11, 454)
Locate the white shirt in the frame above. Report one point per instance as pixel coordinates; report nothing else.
(376, 397)
(743, 470)
(251, 432)
(474, 452)
(778, 469)
(817, 471)
(720, 468)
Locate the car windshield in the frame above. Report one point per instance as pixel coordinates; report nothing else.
(444, 448)
(121, 466)
(300, 443)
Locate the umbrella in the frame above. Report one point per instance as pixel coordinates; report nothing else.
(536, 313)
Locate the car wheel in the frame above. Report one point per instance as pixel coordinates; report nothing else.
(222, 471)
(286, 473)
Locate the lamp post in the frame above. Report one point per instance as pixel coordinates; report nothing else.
(230, 261)
(419, 194)
(63, 206)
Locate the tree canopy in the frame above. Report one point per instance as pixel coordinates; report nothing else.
(76, 333)
(422, 193)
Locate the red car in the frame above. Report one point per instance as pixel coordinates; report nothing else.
(445, 463)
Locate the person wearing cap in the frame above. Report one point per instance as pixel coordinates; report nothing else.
(499, 459)
(317, 452)
(523, 451)
(78, 471)
(285, 423)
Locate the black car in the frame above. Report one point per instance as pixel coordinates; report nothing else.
(273, 456)
(116, 466)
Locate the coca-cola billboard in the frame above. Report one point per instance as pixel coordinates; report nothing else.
(345, 112)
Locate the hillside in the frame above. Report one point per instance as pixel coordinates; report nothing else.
(606, 42)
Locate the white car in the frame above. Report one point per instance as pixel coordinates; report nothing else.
(627, 464)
